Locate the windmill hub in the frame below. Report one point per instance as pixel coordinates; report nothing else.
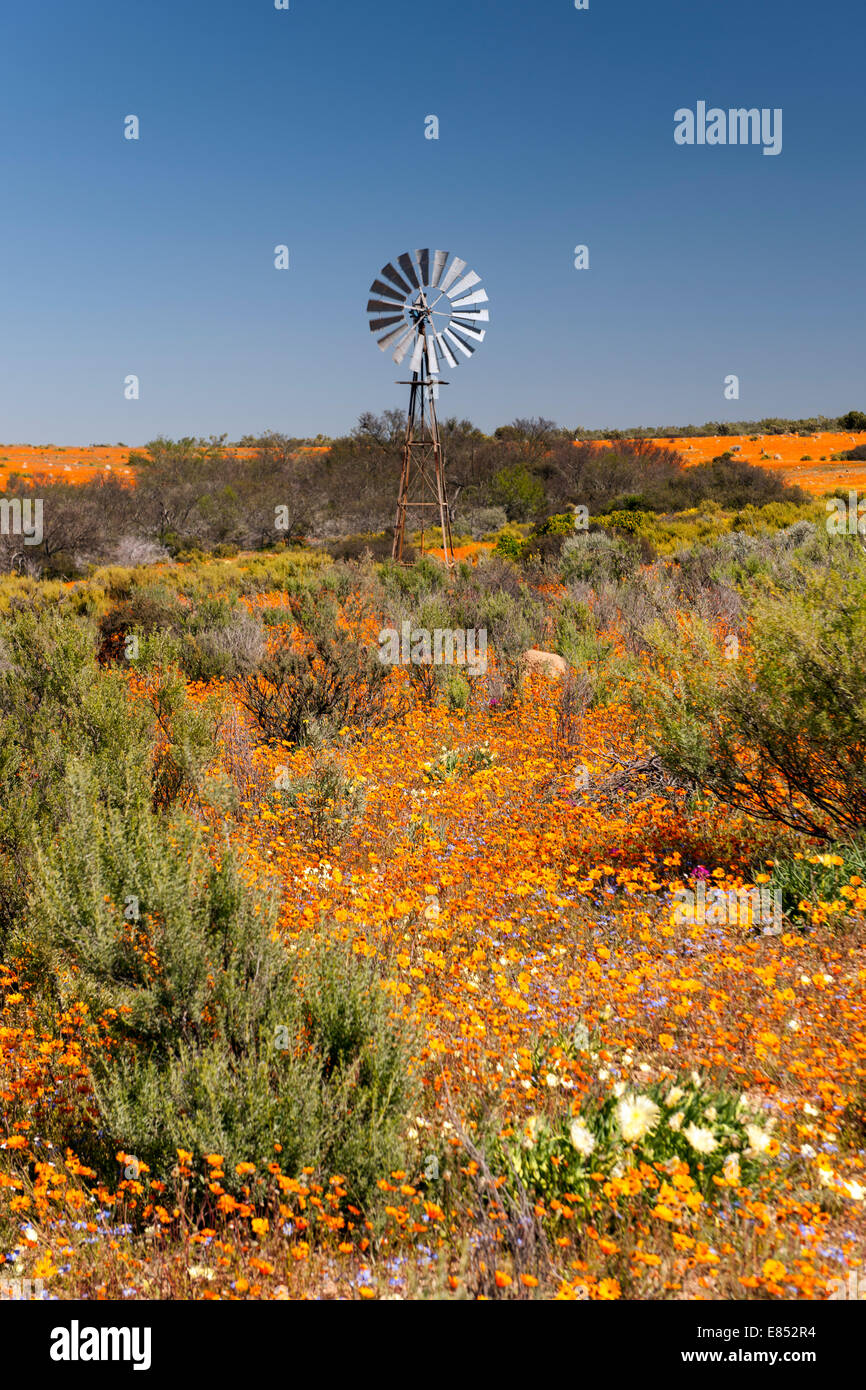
(422, 305)
(420, 311)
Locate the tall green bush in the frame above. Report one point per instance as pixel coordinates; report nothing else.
(55, 703)
(776, 725)
(216, 1038)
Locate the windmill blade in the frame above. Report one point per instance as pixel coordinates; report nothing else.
(423, 259)
(376, 324)
(432, 359)
(439, 260)
(456, 268)
(472, 316)
(455, 338)
(402, 333)
(476, 334)
(446, 351)
(403, 346)
(417, 355)
(411, 273)
(465, 284)
(462, 326)
(393, 274)
(468, 347)
(378, 287)
(383, 306)
(479, 297)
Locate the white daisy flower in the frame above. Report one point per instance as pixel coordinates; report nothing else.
(637, 1115)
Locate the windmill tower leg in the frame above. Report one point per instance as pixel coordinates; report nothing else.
(441, 495)
(422, 476)
(405, 473)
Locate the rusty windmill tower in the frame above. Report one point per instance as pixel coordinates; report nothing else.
(429, 311)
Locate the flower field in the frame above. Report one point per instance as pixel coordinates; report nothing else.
(605, 1098)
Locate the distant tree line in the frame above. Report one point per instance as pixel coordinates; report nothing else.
(816, 424)
(539, 427)
(207, 495)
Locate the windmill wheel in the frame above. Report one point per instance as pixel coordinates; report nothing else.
(422, 308)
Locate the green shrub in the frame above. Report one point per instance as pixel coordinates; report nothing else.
(518, 490)
(430, 611)
(275, 617)
(185, 735)
(735, 483)
(56, 704)
(482, 523)
(493, 597)
(453, 763)
(326, 801)
(221, 642)
(780, 731)
(457, 691)
(307, 693)
(417, 581)
(598, 660)
(560, 524)
(216, 1040)
(634, 522)
(209, 639)
(593, 557)
(509, 546)
(807, 879)
(366, 1090)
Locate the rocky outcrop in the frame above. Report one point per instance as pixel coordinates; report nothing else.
(536, 663)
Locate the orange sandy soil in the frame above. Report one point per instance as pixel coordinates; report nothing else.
(784, 453)
(470, 551)
(57, 463)
(76, 464)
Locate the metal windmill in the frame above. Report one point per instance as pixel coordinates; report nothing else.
(430, 312)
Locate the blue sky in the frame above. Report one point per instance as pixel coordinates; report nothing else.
(306, 127)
